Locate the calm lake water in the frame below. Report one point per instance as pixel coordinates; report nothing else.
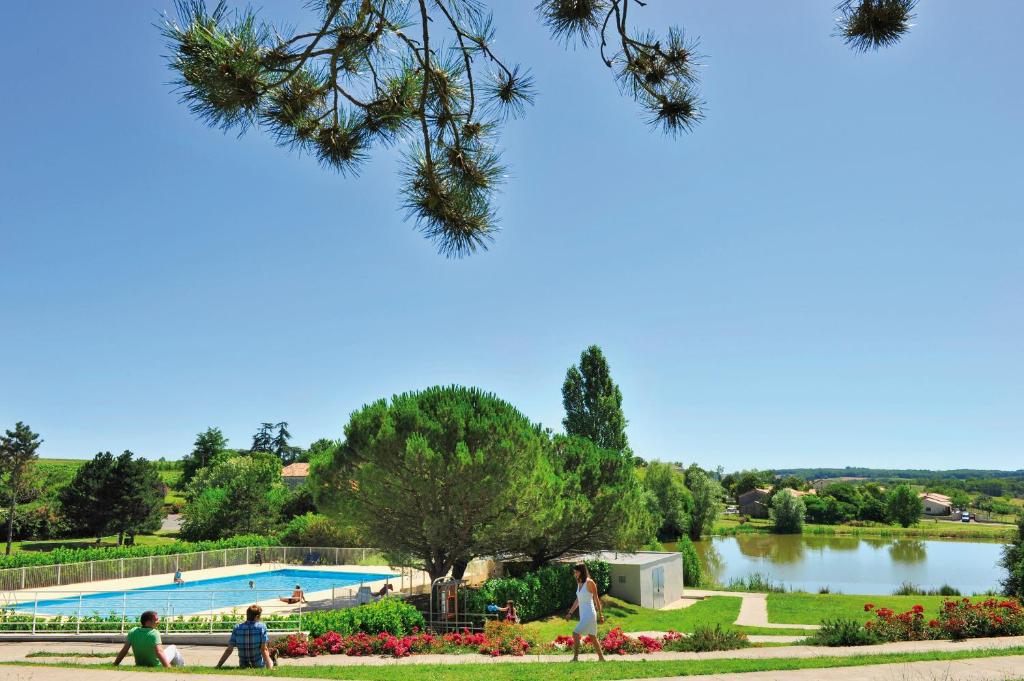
(853, 565)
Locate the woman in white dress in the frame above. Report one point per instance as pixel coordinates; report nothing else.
(589, 604)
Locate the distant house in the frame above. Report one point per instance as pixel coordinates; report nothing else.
(936, 504)
(294, 474)
(754, 503)
(821, 484)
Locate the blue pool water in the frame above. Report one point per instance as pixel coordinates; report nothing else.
(205, 594)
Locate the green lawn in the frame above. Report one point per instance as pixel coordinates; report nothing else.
(716, 610)
(567, 671)
(88, 543)
(799, 608)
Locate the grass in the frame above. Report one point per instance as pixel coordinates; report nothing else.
(928, 528)
(566, 671)
(57, 653)
(88, 543)
(800, 608)
(716, 610)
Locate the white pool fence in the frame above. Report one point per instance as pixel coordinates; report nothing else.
(19, 600)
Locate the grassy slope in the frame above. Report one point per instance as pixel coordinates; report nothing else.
(717, 610)
(797, 608)
(568, 671)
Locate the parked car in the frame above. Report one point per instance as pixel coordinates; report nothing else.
(965, 517)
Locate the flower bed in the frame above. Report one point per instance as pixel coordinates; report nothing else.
(499, 639)
(957, 620)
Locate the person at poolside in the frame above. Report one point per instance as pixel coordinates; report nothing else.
(259, 557)
(178, 579)
(383, 591)
(144, 642)
(509, 612)
(588, 602)
(252, 641)
(296, 597)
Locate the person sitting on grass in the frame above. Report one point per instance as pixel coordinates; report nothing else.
(296, 597)
(144, 642)
(252, 641)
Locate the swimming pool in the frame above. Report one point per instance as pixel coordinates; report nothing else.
(202, 595)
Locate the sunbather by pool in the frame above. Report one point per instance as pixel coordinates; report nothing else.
(296, 597)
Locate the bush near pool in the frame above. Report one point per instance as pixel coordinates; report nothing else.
(957, 619)
(540, 593)
(391, 615)
(500, 639)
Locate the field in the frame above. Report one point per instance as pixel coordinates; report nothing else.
(929, 528)
(800, 608)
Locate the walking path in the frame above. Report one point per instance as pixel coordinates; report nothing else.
(753, 609)
(208, 655)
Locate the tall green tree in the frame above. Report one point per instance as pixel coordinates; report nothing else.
(274, 438)
(582, 499)
(435, 475)
(787, 513)
(903, 506)
(672, 500)
(593, 403)
(237, 494)
(208, 444)
(86, 501)
(18, 455)
(707, 504)
(360, 74)
(138, 499)
(1013, 562)
(263, 440)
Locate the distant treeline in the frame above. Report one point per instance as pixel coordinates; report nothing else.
(897, 473)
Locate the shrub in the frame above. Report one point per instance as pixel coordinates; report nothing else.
(906, 626)
(540, 593)
(65, 556)
(843, 632)
(391, 615)
(992, 617)
(706, 639)
(693, 573)
(313, 529)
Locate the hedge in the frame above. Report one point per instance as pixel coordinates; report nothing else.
(391, 615)
(540, 593)
(65, 556)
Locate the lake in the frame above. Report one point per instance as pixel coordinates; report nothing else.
(853, 565)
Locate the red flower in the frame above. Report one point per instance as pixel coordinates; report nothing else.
(868, 607)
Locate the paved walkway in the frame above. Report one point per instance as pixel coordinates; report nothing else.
(208, 655)
(753, 609)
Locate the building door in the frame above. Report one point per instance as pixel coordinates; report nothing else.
(658, 587)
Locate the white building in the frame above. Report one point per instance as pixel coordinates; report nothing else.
(651, 579)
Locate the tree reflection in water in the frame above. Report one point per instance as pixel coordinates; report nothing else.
(908, 551)
(782, 549)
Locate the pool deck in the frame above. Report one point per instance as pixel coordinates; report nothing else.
(317, 600)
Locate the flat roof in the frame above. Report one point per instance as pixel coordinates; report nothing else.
(638, 558)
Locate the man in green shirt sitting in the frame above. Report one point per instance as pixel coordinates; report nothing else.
(144, 642)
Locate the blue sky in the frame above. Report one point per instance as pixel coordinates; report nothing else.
(827, 272)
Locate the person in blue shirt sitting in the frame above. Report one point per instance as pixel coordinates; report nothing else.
(252, 641)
